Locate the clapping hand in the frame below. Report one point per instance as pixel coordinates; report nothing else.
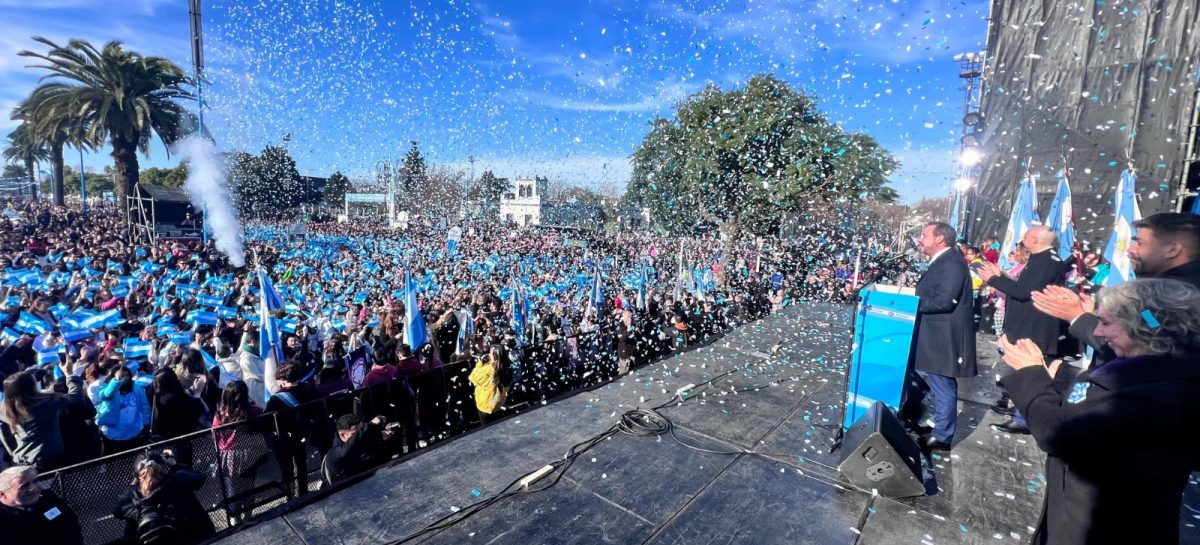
(1024, 353)
(987, 270)
(1059, 302)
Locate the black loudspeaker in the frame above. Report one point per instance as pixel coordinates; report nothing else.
(879, 455)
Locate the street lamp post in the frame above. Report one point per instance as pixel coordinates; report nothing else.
(82, 182)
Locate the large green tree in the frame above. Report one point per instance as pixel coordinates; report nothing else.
(267, 183)
(53, 122)
(335, 189)
(742, 160)
(119, 95)
(413, 174)
(22, 148)
(168, 177)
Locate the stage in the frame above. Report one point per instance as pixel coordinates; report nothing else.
(782, 402)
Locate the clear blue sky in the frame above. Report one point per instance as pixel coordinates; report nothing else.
(563, 89)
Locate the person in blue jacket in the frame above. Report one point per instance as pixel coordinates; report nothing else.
(122, 411)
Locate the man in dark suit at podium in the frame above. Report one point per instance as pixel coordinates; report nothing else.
(945, 333)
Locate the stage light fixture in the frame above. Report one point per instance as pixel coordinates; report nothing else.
(970, 156)
(963, 184)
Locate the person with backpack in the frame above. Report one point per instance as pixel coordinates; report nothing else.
(160, 505)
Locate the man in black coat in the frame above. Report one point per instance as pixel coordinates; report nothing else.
(1166, 245)
(30, 515)
(945, 332)
(1021, 319)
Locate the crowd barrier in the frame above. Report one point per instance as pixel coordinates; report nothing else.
(257, 464)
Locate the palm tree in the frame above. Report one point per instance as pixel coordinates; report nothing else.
(23, 148)
(53, 123)
(117, 95)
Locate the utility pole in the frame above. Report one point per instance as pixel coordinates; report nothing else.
(196, 20)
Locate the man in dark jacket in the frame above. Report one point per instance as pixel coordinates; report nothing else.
(354, 448)
(31, 516)
(1021, 319)
(945, 332)
(1166, 245)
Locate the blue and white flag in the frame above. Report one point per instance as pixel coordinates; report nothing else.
(1061, 219)
(49, 355)
(518, 313)
(136, 349)
(269, 343)
(641, 293)
(208, 300)
(466, 328)
(28, 323)
(1125, 213)
(120, 291)
(954, 207)
(202, 317)
(596, 297)
(77, 335)
(1024, 215)
(415, 333)
(1196, 204)
(98, 321)
(9, 336)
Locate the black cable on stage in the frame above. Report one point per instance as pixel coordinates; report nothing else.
(636, 422)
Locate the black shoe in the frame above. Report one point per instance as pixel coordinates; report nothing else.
(920, 430)
(1011, 427)
(1004, 410)
(934, 444)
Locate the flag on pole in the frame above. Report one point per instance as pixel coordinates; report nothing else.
(1125, 213)
(954, 212)
(269, 344)
(518, 313)
(641, 294)
(466, 328)
(415, 333)
(596, 298)
(1024, 215)
(1061, 219)
(1196, 204)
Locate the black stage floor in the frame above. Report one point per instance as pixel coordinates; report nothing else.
(653, 490)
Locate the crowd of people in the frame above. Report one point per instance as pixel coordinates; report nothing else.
(1105, 373)
(111, 342)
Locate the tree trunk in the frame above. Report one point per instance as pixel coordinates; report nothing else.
(56, 162)
(125, 172)
(33, 182)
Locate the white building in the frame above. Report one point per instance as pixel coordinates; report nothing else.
(525, 205)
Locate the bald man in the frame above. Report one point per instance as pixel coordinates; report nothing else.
(1021, 319)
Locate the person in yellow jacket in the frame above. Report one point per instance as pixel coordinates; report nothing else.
(490, 389)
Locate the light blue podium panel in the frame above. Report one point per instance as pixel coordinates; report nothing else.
(883, 334)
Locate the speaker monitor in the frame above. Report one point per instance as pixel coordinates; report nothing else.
(878, 454)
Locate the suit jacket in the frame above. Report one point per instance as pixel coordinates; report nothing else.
(945, 343)
(1021, 319)
(1119, 448)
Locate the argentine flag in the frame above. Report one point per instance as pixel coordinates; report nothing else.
(1126, 212)
(1061, 219)
(414, 323)
(269, 344)
(1024, 215)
